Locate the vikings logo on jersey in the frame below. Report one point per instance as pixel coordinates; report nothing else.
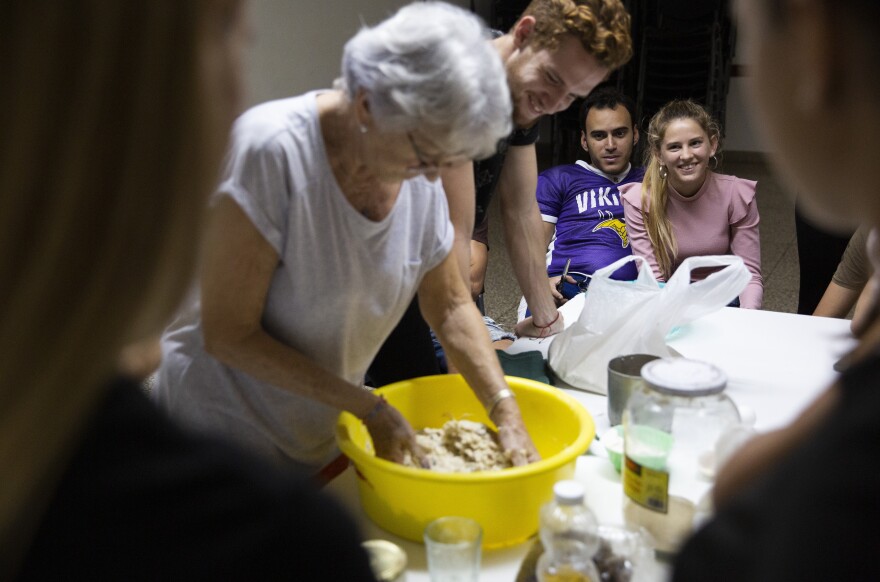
(614, 224)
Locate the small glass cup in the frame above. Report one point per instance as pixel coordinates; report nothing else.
(452, 545)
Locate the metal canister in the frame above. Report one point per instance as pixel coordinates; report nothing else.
(387, 560)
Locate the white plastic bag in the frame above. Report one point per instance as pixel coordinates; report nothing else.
(634, 317)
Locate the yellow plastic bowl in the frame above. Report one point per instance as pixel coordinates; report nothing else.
(403, 500)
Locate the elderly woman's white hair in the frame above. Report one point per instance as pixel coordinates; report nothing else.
(431, 66)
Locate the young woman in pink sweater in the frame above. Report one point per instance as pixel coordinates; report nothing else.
(684, 209)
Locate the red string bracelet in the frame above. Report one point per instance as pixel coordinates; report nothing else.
(548, 326)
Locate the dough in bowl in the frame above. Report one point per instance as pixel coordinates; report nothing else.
(461, 446)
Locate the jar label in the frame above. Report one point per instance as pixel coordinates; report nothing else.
(645, 486)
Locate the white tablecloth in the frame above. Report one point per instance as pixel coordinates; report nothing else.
(776, 363)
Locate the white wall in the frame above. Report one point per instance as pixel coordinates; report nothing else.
(740, 133)
(740, 129)
(297, 44)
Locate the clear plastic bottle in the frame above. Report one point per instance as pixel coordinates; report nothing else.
(569, 532)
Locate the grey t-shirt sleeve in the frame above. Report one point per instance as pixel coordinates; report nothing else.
(256, 178)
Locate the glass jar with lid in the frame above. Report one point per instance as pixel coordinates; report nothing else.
(672, 423)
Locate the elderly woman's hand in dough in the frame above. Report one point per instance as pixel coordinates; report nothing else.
(393, 436)
(512, 434)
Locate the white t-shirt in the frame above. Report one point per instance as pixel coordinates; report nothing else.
(341, 285)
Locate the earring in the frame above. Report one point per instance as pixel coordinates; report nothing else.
(663, 172)
(363, 128)
(714, 159)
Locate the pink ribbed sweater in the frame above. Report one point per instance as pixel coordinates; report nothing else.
(720, 219)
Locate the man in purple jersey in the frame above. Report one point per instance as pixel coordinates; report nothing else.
(580, 203)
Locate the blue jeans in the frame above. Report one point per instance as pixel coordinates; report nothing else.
(570, 290)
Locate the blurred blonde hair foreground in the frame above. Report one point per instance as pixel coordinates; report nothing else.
(114, 117)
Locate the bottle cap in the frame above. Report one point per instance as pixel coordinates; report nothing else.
(569, 492)
(684, 377)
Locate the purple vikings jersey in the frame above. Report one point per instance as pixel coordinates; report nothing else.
(585, 205)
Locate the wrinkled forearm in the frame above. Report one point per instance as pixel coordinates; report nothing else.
(449, 310)
(465, 340)
(258, 354)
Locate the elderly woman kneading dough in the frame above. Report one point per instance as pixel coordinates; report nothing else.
(322, 192)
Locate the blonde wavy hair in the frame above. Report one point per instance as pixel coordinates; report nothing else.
(114, 124)
(603, 27)
(654, 185)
